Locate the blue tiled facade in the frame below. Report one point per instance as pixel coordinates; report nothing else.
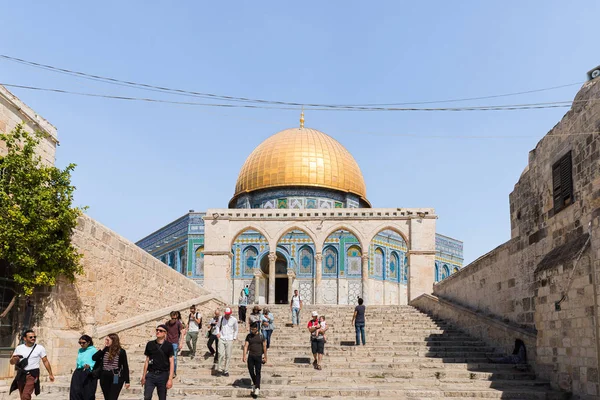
(180, 245)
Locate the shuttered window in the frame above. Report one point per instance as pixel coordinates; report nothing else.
(562, 182)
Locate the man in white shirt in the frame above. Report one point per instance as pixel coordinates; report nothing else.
(28, 377)
(296, 306)
(194, 325)
(227, 331)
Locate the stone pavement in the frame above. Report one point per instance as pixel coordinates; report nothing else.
(408, 356)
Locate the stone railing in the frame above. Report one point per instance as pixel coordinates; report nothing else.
(494, 332)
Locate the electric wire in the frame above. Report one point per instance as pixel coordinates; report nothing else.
(162, 89)
(508, 107)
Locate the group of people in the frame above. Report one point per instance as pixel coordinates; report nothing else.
(109, 366)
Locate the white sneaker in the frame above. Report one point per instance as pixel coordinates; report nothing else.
(256, 392)
(253, 389)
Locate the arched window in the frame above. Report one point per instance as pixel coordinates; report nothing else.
(172, 260)
(199, 270)
(437, 272)
(394, 265)
(445, 271)
(163, 258)
(379, 259)
(249, 260)
(306, 260)
(330, 261)
(455, 270)
(405, 270)
(354, 258)
(182, 261)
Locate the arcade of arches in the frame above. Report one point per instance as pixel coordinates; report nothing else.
(332, 259)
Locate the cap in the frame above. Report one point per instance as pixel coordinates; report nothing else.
(228, 311)
(315, 314)
(162, 326)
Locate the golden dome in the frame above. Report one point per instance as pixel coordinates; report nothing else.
(301, 157)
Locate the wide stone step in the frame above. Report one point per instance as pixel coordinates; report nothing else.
(354, 390)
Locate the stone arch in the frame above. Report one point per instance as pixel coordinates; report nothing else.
(388, 227)
(249, 228)
(304, 229)
(344, 227)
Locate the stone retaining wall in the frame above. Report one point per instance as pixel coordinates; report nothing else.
(492, 331)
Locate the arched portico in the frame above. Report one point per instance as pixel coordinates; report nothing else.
(415, 226)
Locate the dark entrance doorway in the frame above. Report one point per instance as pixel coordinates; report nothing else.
(281, 290)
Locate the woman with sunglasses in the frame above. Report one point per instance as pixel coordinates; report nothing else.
(114, 368)
(83, 382)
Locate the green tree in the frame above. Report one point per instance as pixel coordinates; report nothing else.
(36, 217)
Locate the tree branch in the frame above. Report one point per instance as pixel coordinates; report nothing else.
(9, 307)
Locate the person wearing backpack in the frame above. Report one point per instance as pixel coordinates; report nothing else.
(26, 358)
(194, 326)
(159, 367)
(255, 352)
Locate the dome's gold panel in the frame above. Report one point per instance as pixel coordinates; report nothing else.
(301, 157)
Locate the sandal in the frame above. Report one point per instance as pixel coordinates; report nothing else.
(319, 367)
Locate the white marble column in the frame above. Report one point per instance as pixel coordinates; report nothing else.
(271, 291)
(365, 278)
(291, 276)
(257, 276)
(318, 278)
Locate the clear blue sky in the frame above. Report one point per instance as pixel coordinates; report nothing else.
(142, 165)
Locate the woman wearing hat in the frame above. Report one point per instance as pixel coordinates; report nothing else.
(255, 317)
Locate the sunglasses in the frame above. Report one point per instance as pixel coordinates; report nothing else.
(160, 330)
(82, 343)
(31, 337)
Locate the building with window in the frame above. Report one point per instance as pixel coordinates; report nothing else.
(297, 182)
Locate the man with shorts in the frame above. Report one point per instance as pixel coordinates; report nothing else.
(317, 341)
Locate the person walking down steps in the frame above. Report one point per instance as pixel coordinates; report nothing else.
(255, 352)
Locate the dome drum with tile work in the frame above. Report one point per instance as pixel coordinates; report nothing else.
(300, 160)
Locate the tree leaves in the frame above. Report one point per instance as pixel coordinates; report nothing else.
(36, 215)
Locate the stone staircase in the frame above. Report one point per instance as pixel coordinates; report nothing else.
(408, 355)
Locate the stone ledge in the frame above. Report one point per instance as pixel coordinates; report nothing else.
(493, 331)
(152, 315)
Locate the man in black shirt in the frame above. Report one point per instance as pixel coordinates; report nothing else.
(255, 348)
(158, 368)
(358, 320)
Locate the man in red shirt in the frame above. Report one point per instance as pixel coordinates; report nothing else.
(317, 341)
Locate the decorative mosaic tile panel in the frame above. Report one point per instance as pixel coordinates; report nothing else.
(311, 203)
(339, 205)
(296, 203)
(305, 261)
(330, 262)
(306, 291)
(282, 203)
(323, 203)
(354, 291)
(329, 290)
(270, 204)
(352, 203)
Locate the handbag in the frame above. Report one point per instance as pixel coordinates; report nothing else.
(24, 362)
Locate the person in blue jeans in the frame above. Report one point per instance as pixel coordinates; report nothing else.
(358, 320)
(295, 307)
(174, 328)
(267, 320)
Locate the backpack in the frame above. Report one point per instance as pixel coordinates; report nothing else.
(247, 291)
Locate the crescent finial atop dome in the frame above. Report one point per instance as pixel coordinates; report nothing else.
(302, 118)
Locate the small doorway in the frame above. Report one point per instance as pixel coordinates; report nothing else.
(281, 290)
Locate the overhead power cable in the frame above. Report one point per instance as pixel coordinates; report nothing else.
(508, 107)
(252, 100)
